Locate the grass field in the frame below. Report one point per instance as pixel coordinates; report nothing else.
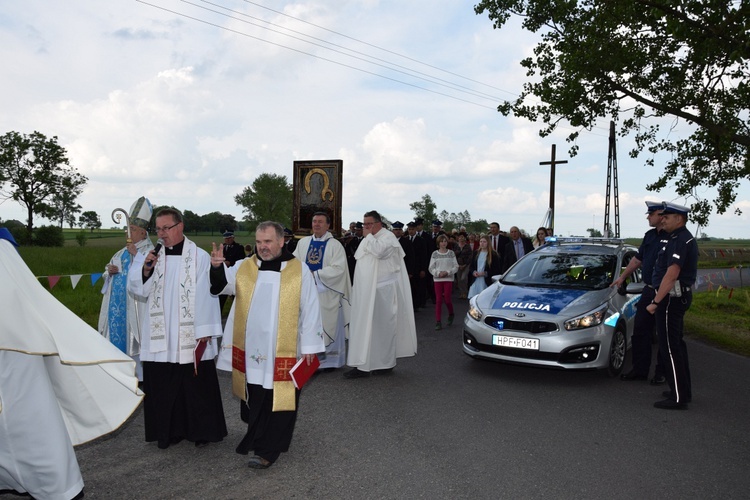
(714, 317)
(72, 259)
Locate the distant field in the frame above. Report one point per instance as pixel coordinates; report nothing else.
(718, 253)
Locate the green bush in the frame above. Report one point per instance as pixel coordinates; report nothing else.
(49, 236)
(19, 234)
(81, 238)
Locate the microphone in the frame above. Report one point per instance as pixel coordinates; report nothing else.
(157, 248)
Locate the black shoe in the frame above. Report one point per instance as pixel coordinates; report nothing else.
(669, 395)
(327, 370)
(257, 462)
(631, 375)
(450, 320)
(201, 444)
(355, 373)
(658, 380)
(670, 404)
(384, 371)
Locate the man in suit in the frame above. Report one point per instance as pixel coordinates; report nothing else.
(517, 247)
(422, 255)
(497, 240)
(351, 248)
(410, 260)
(437, 230)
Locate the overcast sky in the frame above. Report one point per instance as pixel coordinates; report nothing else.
(172, 100)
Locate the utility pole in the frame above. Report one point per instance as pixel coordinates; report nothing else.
(612, 175)
(552, 163)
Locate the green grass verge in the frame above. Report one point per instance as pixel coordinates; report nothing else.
(85, 299)
(718, 320)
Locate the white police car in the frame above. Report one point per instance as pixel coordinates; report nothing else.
(555, 308)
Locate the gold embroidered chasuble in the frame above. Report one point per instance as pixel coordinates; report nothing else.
(286, 336)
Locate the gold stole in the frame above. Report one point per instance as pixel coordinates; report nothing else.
(286, 336)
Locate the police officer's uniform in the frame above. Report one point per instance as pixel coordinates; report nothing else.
(679, 247)
(645, 322)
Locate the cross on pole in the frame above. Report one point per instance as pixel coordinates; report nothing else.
(553, 162)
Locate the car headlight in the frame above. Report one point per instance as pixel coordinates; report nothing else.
(474, 310)
(587, 320)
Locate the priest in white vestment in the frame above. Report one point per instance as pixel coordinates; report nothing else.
(326, 258)
(119, 317)
(182, 400)
(61, 384)
(274, 320)
(382, 319)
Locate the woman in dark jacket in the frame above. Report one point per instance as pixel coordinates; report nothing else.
(485, 264)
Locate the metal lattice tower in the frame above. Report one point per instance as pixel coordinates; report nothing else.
(612, 175)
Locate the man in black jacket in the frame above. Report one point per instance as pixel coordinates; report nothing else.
(422, 255)
(516, 248)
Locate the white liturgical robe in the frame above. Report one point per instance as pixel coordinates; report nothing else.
(382, 323)
(262, 323)
(207, 316)
(61, 384)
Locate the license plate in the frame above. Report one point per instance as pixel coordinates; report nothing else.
(515, 342)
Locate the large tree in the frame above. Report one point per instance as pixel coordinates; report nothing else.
(37, 170)
(90, 220)
(63, 207)
(268, 198)
(644, 63)
(424, 209)
(192, 221)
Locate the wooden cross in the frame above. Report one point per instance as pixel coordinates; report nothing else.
(552, 163)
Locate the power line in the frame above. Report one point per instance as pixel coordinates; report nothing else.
(388, 65)
(409, 72)
(209, 23)
(377, 47)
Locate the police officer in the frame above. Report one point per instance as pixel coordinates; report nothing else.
(675, 272)
(644, 323)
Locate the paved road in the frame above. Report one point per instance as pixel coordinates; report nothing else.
(446, 426)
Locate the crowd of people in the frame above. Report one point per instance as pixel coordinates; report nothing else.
(296, 303)
(439, 261)
(163, 307)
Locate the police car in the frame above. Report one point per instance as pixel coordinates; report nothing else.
(555, 308)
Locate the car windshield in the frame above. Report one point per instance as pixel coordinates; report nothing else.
(568, 270)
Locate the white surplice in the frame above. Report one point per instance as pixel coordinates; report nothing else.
(262, 323)
(382, 320)
(334, 294)
(207, 315)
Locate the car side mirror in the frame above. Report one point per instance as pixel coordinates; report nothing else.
(635, 288)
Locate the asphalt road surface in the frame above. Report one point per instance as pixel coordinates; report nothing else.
(444, 425)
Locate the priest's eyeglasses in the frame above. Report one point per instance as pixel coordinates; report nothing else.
(165, 228)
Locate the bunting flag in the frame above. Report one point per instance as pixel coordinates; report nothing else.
(724, 253)
(74, 279)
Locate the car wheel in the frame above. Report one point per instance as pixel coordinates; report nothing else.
(617, 351)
